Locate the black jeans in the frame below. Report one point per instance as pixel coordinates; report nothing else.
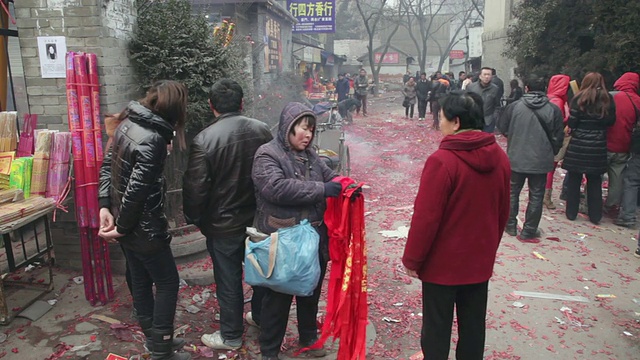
(159, 269)
(363, 104)
(471, 308)
(275, 316)
(408, 110)
(594, 196)
(435, 110)
(422, 108)
(537, 183)
(227, 255)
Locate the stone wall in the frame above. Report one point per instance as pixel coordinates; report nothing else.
(102, 27)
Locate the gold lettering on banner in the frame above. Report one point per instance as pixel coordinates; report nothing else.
(347, 273)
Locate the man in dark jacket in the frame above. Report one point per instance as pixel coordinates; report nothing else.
(218, 197)
(342, 87)
(361, 85)
(490, 96)
(498, 82)
(534, 129)
(422, 90)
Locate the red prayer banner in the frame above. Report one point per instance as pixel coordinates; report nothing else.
(347, 310)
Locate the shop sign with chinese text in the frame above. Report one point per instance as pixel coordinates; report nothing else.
(313, 16)
(389, 58)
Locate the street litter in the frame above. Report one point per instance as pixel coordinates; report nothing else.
(564, 308)
(636, 301)
(29, 268)
(560, 321)
(398, 304)
(402, 232)
(182, 283)
(606, 296)
(550, 296)
(106, 319)
(390, 320)
(518, 304)
(627, 333)
(192, 309)
(417, 356)
(78, 280)
(537, 254)
(52, 302)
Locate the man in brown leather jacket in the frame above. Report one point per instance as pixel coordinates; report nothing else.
(218, 197)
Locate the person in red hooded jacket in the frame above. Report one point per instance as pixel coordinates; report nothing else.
(622, 153)
(619, 138)
(557, 94)
(460, 213)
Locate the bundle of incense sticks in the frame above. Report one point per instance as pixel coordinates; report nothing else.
(84, 124)
(58, 175)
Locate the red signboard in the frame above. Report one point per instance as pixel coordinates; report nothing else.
(389, 58)
(456, 54)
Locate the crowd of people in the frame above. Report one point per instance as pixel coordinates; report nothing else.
(240, 176)
(589, 130)
(592, 133)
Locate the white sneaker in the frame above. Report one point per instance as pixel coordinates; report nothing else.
(421, 119)
(249, 318)
(215, 341)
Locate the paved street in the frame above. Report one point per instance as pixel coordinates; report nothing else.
(388, 153)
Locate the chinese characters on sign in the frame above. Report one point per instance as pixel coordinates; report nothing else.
(456, 54)
(389, 58)
(272, 50)
(314, 16)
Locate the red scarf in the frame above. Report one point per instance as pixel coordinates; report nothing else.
(346, 317)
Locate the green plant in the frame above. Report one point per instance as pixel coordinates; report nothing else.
(574, 37)
(171, 43)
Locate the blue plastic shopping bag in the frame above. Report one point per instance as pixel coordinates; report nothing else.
(286, 262)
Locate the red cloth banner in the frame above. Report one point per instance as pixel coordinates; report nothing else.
(347, 309)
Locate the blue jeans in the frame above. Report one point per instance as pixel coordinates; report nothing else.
(630, 185)
(227, 255)
(147, 270)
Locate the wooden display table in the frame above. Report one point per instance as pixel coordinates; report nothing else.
(26, 242)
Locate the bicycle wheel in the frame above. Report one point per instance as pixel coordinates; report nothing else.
(345, 161)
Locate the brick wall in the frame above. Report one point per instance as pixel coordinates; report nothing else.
(102, 27)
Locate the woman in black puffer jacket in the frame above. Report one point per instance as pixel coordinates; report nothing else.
(592, 112)
(132, 192)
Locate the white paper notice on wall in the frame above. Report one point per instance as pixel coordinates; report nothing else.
(52, 51)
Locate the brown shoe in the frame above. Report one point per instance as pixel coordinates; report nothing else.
(547, 200)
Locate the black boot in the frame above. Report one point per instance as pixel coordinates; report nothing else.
(163, 347)
(147, 324)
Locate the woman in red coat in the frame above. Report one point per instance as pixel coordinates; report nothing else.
(460, 213)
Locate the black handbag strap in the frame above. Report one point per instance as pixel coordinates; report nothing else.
(544, 127)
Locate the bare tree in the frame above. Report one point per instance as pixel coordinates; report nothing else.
(423, 21)
(479, 6)
(464, 12)
(373, 14)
